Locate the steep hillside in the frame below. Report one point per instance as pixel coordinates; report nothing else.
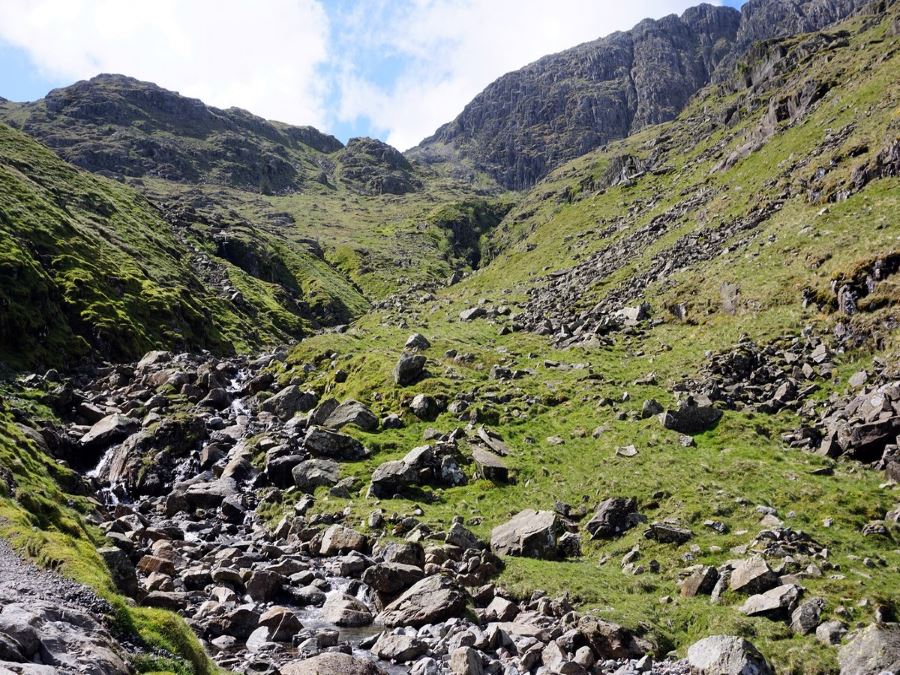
(89, 266)
(532, 120)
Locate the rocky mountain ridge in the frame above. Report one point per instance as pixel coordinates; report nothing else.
(532, 120)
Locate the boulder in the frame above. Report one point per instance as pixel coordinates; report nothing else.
(613, 517)
(333, 445)
(391, 477)
(409, 368)
(345, 610)
(472, 313)
(424, 407)
(417, 341)
(398, 648)
(667, 533)
(690, 418)
(352, 412)
(282, 623)
(312, 473)
(111, 429)
(431, 600)
(279, 470)
(726, 655)
(339, 539)
(529, 534)
(701, 582)
(490, 466)
(331, 663)
(121, 569)
(752, 576)
(465, 661)
(390, 578)
(875, 649)
(263, 585)
(775, 603)
(288, 402)
(807, 617)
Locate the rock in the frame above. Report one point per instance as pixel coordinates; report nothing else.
(352, 412)
(650, 408)
(806, 618)
(339, 539)
(690, 418)
(613, 517)
(391, 478)
(417, 341)
(700, 582)
(490, 466)
(472, 313)
(726, 655)
(282, 623)
(280, 470)
(752, 576)
(529, 534)
(409, 369)
(424, 407)
(121, 569)
(111, 429)
(216, 399)
(462, 538)
(431, 600)
(501, 609)
(398, 648)
(331, 663)
(775, 603)
(263, 586)
(831, 632)
(873, 650)
(666, 533)
(390, 578)
(345, 610)
(288, 402)
(312, 473)
(465, 661)
(333, 445)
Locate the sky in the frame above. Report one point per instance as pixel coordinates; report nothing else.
(391, 69)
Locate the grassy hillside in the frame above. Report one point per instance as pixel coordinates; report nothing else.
(741, 216)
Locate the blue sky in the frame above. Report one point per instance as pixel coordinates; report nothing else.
(393, 69)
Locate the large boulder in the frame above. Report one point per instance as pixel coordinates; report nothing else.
(391, 478)
(613, 517)
(409, 368)
(352, 412)
(345, 610)
(690, 418)
(312, 473)
(331, 663)
(339, 539)
(490, 466)
(776, 603)
(875, 649)
(288, 402)
(333, 445)
(752, 576)
(390, 578)
(111, 429)
(431, 600)
(726, 655)
(529, 534)
(398, 648)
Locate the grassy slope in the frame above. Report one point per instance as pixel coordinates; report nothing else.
(45, 517)
(801, 245)
(87, 263)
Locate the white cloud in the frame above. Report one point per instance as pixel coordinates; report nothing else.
(294, 61)
(455, 48)
(259, 56)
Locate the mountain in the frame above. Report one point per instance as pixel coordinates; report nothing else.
(641, 417)
(532, 120)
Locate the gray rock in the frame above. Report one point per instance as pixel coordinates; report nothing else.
(331, 663)
(312, 473)
(390, 578)
(775, 603)
(807, 617)
(424, 407)
(666, 533)
(391, 478)
(701, 582)
(465, 661)
(873, 650)
(613, 517)
(345, 610)
(831, 632)
(288, 402)
(417, 341)
(333, 445)
(726, 655)
(111, 429)
(752, 576)
(339, 539)
(472, 313)
(690, 418)
(490, 466)
(409, 368)
(431, 600)
(352, 412)
(529, 534)
(398, 648)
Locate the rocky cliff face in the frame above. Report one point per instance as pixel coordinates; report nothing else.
(560, 107)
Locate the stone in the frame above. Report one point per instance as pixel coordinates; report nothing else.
(752, 576)
(690, 418)
(398, 648)
(465, 661)
(339, 539)
(775, 603)
(111, 429)
(390, 578)
(807, 617)
(352, 412)
(472, 313)
(345, 610)
(650, 408)
(263, 585)
(424, 407)
(830, 632)
(613, 517)
(529, 534)
(726, 655)
(666, 533)
(333, 445)
(490, 466)
(121, 570)
(288, 402)
(417, 341)
(409, 369)
(312, 473)
(279, 470)
(331, 663)
(431, 600)
(391, 478)
(701, 582)
(873, 650)
(501, 609)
